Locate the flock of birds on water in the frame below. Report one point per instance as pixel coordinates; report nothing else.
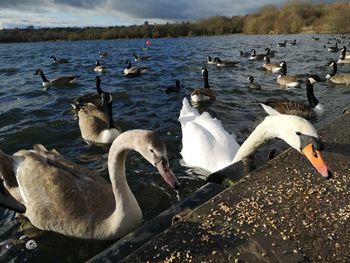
(58, 195)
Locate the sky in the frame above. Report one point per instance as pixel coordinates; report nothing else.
(80, 13)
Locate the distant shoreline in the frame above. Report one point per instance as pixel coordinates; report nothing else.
(291, 18)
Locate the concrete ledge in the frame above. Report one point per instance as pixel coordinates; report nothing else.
(150, 229)
(282, 212)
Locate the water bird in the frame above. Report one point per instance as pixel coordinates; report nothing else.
(206, 93)
(207, 145)
(103, 54)
(59, 81)
(59, 61)
(252, 84)
(132, 71)
(274, 68)
(287, 80)
(335, 78)
(315, 38)
(255, 56)
(138, 58)
(244, 53)
(98, 98)
(344, 56)
(294, 43)
(282, 44)
(96, 126)
(99, 68)
(290, 107)
(333, 48)
(270, 53)
(225, 63)
(64, 197)
(210, 60)
(175, 88)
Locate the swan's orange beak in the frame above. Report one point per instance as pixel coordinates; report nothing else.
(316, 159)
(167, 174)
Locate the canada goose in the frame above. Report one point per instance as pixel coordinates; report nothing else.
(270, 53)
(314, 109)
(132, 71)
(59, 61)
(103, 54)
(344, 56)
(252, 84)
(333, 48)
(96, 126)
(244, 54)
(337, 78)
(210, 60)
(282, 44)
(206, 144)
(138, 58)
(175, 88)
(225, 63)
(294, 43)
(69, 199)
(59, 81)
(274, 68)
(99, 68)
(255, 56)
(287, 80)
(204, 94)
(98, 98)
(315, 38)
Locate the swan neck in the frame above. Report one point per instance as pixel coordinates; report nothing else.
(263, 132)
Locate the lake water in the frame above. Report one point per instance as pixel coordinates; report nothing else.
(29, 115)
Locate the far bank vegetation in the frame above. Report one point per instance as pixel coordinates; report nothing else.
(292, 17)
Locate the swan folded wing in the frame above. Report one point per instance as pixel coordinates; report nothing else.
(207, 145)
(187, 111)
(58, 193)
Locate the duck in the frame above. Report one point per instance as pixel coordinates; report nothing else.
(175, 88)
(283, 106)
(225, 63)
(59, 61)
(252, 84)
(59, 81)
(337, 78)
(210, 60)
(98, 98)
(96, 126)
(333, 48)
(103, 54)
(274, 68)
(207, 145)
(205, 94)
(133, 71)
(282, 44)
(287, 80)
(138, 58)
(99, 68)
(255, 56)
(294, 43)
(344, 56)
(66, 198)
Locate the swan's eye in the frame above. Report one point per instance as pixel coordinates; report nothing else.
(314, 151)
(298, 133)
(151, 150)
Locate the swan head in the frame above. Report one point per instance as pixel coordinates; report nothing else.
(153, 149)
(302, 136)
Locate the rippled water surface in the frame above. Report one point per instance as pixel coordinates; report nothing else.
(29, 115)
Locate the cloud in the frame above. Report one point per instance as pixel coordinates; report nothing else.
(45, 12)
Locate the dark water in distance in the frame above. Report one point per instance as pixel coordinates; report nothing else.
(29, 115)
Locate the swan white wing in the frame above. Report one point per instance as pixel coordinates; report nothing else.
(206, 144)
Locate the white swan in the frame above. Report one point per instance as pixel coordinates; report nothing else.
(207, 145)
(69, 199)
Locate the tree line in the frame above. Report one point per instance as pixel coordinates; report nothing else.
(292, 17)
